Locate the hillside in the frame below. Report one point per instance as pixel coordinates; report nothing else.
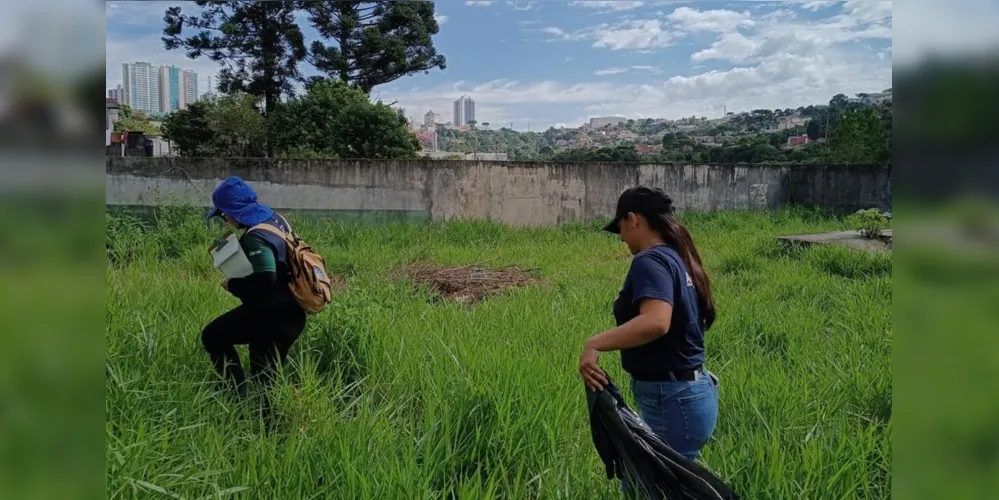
(762, 135)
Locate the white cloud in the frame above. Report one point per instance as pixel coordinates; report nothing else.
(556, 32)
(647, 34)
(440, 18)
(524, 6)
(478, 3)
(814, 5)
(609, 5)
(780, 32)
(610, 71)
(627, 35)
(718, 20)
(734, 47)
(637, 68)
(642, 34)
(868, 10)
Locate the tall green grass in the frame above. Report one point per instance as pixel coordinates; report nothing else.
(393, 395)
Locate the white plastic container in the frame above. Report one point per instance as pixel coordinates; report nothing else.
(228, 257)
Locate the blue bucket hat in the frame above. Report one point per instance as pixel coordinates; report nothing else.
(236, 199)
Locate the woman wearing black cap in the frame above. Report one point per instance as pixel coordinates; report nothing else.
(662, 312)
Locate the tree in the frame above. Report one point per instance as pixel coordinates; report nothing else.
(133, 121)
(859, 137)
(338, 121)
(258, 43)
(813, 129)
(615, 154)
(838, 102)
(239, 128)
(376, 42)
(676, 141)
(230, 126)
(190, 129)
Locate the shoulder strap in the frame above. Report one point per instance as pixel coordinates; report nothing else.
(273, 230)
(285, 222)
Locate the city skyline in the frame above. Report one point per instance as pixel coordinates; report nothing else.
(155, 89)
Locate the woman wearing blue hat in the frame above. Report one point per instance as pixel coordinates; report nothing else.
(269, 318)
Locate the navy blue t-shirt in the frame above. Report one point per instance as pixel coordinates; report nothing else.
(659, 273)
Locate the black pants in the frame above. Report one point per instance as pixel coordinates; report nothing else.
(270, 333)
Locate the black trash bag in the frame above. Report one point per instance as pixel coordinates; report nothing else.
(633, 453)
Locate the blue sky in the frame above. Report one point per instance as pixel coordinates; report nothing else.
(543, 63)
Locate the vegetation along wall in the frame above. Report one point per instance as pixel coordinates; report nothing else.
(509, 192)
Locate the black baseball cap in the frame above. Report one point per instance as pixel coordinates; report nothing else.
(645, 200)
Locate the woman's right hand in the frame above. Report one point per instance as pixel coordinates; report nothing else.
(593, 376)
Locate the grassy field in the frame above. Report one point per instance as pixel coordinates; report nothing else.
(394, 395)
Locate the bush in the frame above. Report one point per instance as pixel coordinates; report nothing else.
(869, 222)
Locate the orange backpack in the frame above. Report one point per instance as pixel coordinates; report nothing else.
(310, 284)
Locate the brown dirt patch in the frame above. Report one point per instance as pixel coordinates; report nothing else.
(467, 284)
(337, 282)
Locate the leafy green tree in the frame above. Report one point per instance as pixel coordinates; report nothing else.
(190, 129)
(859, 137)
(839, 102)
(338, 121)
(612, 155)
(240, 129)
(763, 152)
(676, 141)
(231, 126)
(134, 121)
(375, 42)
(813, 130)
(258, 44)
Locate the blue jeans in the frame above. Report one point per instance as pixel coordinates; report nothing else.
(682, 413)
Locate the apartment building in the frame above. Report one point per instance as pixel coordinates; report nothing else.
(464, 111)
(162, 89)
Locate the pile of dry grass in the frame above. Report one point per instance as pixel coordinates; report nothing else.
(467, 284)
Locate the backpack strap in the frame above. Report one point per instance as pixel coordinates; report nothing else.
(285, 222)
(273, 230)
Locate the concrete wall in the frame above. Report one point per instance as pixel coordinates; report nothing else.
(520, 194)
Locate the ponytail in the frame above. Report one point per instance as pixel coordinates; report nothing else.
(676, 235)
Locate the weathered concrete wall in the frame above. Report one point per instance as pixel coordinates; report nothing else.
(515, 193)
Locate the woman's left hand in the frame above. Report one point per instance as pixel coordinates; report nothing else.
(593, 376)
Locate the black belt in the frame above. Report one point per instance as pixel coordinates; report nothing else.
(669, 375)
